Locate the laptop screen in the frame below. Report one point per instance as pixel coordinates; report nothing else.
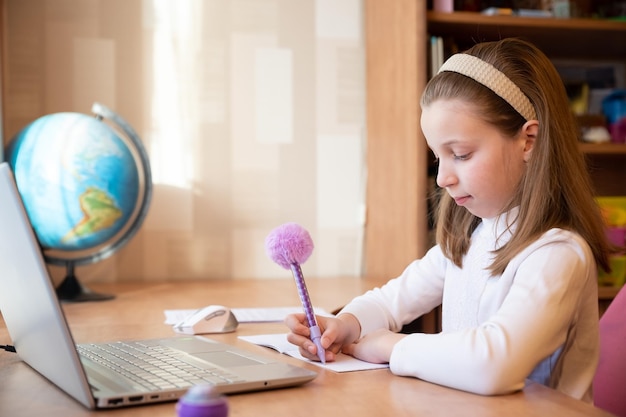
(28, 301)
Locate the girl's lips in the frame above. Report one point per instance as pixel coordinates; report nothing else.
(461, 200)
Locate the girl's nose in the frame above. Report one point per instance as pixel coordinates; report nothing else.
(445, 176)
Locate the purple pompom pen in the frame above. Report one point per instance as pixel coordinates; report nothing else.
(290, 245)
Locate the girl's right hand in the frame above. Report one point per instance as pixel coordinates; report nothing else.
(336, 333)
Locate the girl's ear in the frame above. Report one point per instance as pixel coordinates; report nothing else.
(529, 134)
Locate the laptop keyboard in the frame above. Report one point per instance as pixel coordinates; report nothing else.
(153, 367)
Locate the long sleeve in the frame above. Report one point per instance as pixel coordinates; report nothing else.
(414, 293)
(496, 330)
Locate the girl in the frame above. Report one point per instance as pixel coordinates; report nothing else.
(519, 239)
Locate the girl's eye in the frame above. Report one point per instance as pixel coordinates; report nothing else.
(462, 157)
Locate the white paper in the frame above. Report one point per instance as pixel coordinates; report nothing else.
(246, 315)
(342, 363)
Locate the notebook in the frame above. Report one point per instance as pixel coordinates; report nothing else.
(88, 372)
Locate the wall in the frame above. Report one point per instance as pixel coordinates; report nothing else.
(252, 112)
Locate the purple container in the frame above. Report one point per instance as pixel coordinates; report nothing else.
(202, 401)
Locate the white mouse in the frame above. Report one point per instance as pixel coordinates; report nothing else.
(210, 319)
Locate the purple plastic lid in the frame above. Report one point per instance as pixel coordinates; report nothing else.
(215, 409)
(202, 401)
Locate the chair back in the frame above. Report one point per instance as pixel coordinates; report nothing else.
(609, 384)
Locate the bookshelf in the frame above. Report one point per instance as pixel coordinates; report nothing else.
(558, 38)
(397, 34)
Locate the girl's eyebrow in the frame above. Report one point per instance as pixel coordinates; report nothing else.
(446, 144)
(452, 142)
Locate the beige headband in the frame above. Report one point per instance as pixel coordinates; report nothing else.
(486, 74)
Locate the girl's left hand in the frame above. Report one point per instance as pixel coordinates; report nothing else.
(375, 347)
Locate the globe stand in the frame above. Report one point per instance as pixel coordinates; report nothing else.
(71, 290)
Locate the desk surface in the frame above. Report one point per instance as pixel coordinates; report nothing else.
(137, 312)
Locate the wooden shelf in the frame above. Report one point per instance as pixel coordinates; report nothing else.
(605, 296)
(607, 293)
(558, 38)
(607, 149)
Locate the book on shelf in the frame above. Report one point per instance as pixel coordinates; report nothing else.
(436, 54)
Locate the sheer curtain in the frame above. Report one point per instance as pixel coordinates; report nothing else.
(252, 112)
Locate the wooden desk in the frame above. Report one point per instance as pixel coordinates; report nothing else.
(137, 312)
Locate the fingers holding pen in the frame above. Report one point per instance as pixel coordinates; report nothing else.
(300, 335)
(297, 323)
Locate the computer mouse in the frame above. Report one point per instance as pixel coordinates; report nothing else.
(210, 319)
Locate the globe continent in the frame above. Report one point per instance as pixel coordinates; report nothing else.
(78, 180)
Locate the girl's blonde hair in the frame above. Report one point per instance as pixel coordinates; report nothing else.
(555, 190)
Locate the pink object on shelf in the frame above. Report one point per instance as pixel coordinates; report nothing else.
(618, 131)
(617, 235)
(446, 6)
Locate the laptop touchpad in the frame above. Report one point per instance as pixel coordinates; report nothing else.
(226, 359)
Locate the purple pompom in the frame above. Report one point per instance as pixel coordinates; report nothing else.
(289, 244)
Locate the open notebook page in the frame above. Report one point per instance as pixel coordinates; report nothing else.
(343, 363)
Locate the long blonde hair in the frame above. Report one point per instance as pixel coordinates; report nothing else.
(555, 190)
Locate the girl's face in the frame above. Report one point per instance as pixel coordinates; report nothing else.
(478, 166)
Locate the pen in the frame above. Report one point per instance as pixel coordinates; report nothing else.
(316, 335)
(289, 245)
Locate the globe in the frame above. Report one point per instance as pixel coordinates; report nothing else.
(85, 183)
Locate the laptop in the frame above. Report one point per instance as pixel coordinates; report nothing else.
(87, 372)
